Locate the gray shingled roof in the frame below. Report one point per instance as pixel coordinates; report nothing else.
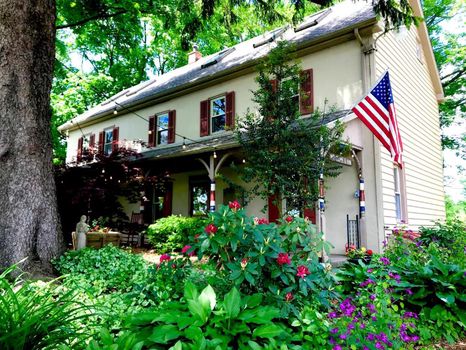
(340, 18)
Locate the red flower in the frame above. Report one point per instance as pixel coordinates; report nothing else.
(261, 221)
(211, 229)
(196, 237)
(234, 205)
(302, 271)
(289, 219)
(165, 257)
(369, 252)
(185, 250)
(244, 263)
(283, 259)
(289, 296)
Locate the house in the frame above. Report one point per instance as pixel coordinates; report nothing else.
(185, 116)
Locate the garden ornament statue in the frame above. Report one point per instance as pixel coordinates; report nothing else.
(81, 229)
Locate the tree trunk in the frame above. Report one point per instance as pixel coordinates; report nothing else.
(29, 224)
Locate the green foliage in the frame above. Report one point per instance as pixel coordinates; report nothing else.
(34, 317)
(285, 153)
(173, 232)
(267, 258)
(102, 271)
(204, 322)
(450, 235)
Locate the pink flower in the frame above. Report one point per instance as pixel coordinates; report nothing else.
(283, 259)
(234, 205)
(261, 221)
(165, 257)
(186, 248)
(211, 229)
(302, 271)
(289, 296)
(289, 219)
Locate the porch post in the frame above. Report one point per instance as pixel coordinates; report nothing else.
(212, 195)
(322, 219)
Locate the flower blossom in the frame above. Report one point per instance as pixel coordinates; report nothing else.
(289, 219)
(289, 296)
(302, 271)
(261, 221)
(283, 259)
(244, 263)
(185, 250)
(369, 252)
(234, 205)
(165, 257)
(211, 229)
(384, 260)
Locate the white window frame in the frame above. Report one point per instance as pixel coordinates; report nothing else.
(108, 145)
(212, 116)
(400, 195)
(159, 130)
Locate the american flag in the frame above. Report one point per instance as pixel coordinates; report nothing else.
(377, 112)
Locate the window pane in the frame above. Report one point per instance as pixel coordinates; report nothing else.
(398, 206)
(218, 123)
(218, 106)
(162, 122)
(109, 136)
(108, 149)
(162, 137)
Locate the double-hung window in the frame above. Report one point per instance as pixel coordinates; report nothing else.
(162, 129)
(108, 141)
(217, 114)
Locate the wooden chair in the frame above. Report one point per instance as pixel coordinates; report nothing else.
(135, 226)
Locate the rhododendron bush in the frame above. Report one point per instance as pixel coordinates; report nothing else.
(257, 256)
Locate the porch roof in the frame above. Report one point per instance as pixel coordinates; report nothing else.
(222, 141)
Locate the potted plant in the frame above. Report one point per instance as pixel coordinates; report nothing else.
(354, 254)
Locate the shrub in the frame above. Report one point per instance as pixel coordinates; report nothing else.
(39, 317)
(172, 233)
(450, 236)
(279, 260)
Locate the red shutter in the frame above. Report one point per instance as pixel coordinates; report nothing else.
(310, 213)
(101, 142)
(115, 134)
(151, 131)
(205, 116)
(92, 143)
(274, 84)
(306, 98)
(230, 110)
(80, 149)
(171, 126)
(274, 212)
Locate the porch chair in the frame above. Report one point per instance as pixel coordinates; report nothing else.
(135, 226)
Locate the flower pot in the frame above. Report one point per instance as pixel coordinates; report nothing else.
(366, 260)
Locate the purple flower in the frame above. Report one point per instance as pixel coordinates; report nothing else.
(396, 277)
(409, 314)
(369, 270)
(366, 283)
(334, 330)
(362, 326)
(350, 326)
(365, 348)
(371, 308)
(337, 347)
(333, 314)
(382, 337)
(385, 260)
(371, 337)
(415, 338)
(374, 318)
(343, 336)
(408, 291)
(379, 345)
(331, 341)
(372, 297)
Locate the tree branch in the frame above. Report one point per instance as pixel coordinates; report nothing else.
(92, 18)
(452, 77)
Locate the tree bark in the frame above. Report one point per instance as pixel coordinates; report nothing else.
(29, 224)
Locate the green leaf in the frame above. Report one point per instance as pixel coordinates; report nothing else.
(254, 346)
(164, 334)
(267, 331)
(446, 297)
(232, 303)
(208, 297)
(198, 310)
(190, 291)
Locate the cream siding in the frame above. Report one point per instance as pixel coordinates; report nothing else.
(417, 112)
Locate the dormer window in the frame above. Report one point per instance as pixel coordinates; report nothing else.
(218, 113)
